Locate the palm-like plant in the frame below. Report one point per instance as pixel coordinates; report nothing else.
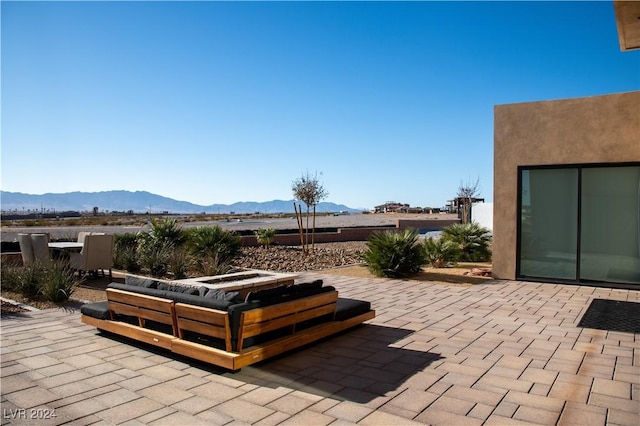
(472, 239)
(207, 243)
(440, 252)
(394, 254)
(167, 230)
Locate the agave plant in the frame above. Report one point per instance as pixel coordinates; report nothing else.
(394, 254)
(472, 239)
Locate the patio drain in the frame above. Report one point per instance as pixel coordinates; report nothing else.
(612, 315)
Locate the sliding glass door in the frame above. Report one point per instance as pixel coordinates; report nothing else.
(580, 224)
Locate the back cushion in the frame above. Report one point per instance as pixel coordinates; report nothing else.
(140, 281)
(196, 300)
(177, 288)
(138, 289)
(230, 296)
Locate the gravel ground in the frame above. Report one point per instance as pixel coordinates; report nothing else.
(291, 259)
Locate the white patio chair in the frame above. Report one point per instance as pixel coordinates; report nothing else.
(26, 249)
(40, 244)
(96, 255)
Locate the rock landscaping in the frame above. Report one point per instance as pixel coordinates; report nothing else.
(291, 259)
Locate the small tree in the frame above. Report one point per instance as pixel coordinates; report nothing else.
(466, 193)
(310, 191)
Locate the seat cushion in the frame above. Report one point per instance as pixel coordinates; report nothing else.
(99, 310)
(349, 308)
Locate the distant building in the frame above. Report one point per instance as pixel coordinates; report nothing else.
(394, 207)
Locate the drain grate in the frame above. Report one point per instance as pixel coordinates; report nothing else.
(612, 315)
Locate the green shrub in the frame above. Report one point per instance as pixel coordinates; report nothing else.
(472, 239)
(125, 252)
(213, 265)
(215, 243)
(154, 256)
(394, 254)
(54, 282)
(167, 231)
(265, 236)
(440, 252)
(179, 262)
(22, 279)
(58, 282)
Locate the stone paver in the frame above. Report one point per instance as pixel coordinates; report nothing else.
(502, 352)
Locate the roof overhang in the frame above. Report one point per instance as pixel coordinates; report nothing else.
(628, 22)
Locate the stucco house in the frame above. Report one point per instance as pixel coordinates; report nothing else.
(567, 184)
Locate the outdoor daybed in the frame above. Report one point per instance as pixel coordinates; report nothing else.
(223, 328)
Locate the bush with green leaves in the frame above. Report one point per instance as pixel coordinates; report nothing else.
(472, 239)
(58, 281)
(265, 236)
(154, 256)
(440, 252)
(394, 254)
(167, 231)
(214, 248)
(179, 262)
(125, 252)
(53, 282)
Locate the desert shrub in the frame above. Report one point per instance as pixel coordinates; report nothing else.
(154, 256)
(472, 239)
(125, 252)
(265, 236)
(179, 262)
(167, 230)
(440, 252)
(22, 279)
(58, 282)
(212, 244)
(54, 281)
(214, 265)
(394, 254)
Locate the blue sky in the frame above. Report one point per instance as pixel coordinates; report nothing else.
(218, 102)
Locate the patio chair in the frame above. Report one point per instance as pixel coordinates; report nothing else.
(81, 236)
(34, 248)
(40, 244)
(26, 249)
(96, 255)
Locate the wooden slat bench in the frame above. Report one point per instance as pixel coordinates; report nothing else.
(246, 333)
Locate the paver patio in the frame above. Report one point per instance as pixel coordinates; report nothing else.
(503, 352)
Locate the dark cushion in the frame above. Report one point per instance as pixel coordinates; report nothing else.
(313, 285)
(221, 303)
(140, 281)
(268, 293)
(187, 289)
(141, 290)
(99, 310)
(230, 296)
(349, 308)
(283, 293)
(194, 299)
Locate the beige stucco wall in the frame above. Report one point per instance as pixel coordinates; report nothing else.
(599, 129)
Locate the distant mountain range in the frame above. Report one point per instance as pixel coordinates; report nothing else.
(141, 202)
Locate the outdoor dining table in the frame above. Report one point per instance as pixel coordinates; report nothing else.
(63, 249)
(66, 245)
